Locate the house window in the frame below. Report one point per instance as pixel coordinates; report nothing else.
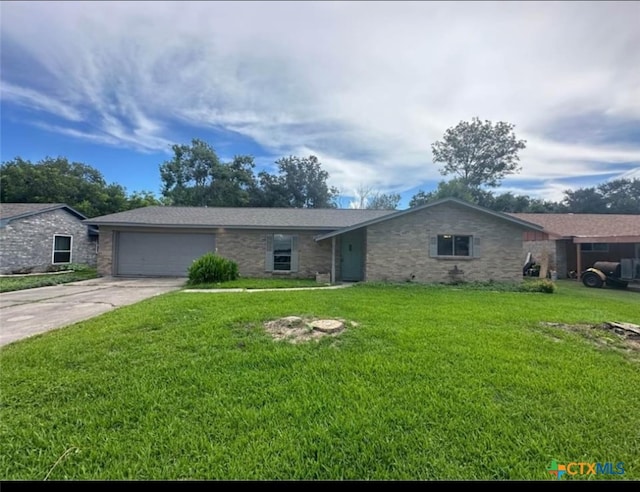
(594, 247)
(62, 249)
(282, 255)
(282, 247)
(450, 245)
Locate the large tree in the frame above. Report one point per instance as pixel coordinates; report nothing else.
(196, 177)
(300, 183)
(479, 153)
(56, 180)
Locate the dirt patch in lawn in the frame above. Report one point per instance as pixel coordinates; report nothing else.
(295, 329)
(612, 334)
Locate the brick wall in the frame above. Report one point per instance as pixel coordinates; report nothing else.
(399, 249)
(395, 249)
(27, 243)
(556, 250)
(245, 247)
(105, 251)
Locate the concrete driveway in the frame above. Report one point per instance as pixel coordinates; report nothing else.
(28, 312)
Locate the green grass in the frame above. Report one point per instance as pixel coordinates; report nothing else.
(259, 283)
(8, 284)
(434, 383)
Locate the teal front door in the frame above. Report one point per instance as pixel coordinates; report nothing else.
(352, 255)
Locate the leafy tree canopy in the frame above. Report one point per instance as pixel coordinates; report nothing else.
(620, 196)
(479, 153)
(505, 202)
(196, 177)
(300, 183)
(56, 180)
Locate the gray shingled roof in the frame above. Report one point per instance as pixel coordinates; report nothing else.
(586, 225)
(11, 211)
(241, 218)
(399, 213)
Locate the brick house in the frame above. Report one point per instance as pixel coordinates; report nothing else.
(438, 242)
(36, 236)
(574, 242)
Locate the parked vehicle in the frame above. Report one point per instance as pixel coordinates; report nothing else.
(612, 273)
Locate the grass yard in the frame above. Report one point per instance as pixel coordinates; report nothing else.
(19, 282)
(434, 383)
(259, 283)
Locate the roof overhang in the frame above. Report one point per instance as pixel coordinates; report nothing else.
(606, 239)
(207, 226)
(499, 215)
(72, 211)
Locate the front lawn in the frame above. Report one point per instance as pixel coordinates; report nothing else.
(434, 383)
(20, 282)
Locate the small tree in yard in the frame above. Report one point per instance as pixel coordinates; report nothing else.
(211, 268)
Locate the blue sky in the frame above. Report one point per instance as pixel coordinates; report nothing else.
(365, 86)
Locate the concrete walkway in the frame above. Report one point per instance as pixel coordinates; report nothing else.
(28, 312)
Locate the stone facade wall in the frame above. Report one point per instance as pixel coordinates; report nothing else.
(398, 249)
(27, 243)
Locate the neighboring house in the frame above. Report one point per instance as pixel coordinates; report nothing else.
(442, 241)
(35, 236)
(573, 242)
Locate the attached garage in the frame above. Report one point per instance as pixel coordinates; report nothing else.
(159, 254)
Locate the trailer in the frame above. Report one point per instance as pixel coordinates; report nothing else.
(612, 273)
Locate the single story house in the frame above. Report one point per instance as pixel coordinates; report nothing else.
(35, 236)
(574, 242)
(442, 241)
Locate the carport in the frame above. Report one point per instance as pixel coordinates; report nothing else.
(589, 249)
(574, 242)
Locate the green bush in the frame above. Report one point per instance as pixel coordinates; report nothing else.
(545, 286)
(212, 268)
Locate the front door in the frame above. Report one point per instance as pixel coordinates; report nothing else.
(352, 255)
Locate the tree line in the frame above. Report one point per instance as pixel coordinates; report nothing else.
(476, 155)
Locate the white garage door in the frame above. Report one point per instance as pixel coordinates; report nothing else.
(160, 254)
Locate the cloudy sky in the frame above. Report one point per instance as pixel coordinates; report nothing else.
(365, 86)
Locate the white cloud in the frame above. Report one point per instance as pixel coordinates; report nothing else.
(36, 100)
(365, 86)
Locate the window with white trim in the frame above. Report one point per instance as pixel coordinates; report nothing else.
(62, 249)
(281, 253)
